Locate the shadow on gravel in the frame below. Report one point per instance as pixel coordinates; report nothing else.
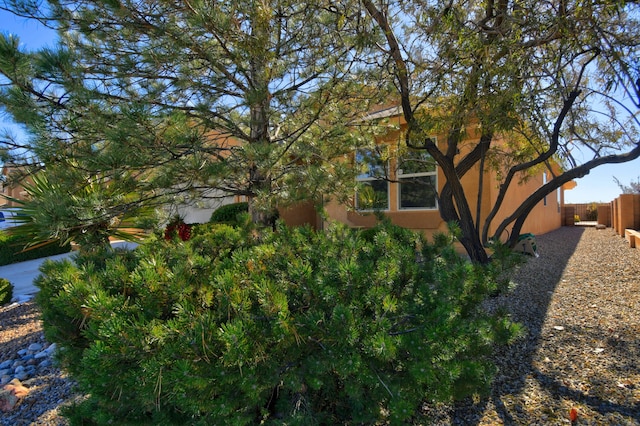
(546, 272)
(14, 317)
(619, 349)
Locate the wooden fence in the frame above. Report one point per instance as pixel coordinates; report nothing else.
(587, 211)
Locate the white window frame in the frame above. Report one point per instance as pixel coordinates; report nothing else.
(400, 176)
(544, 182)
(368, 177)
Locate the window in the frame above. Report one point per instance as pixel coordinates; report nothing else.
(417, 180)
(544, 182)
(373, 191)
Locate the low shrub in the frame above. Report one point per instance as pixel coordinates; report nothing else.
(592, 212)
(288, 327)
(177, 229)
(14, 248)
(229, 213)
(6, 291)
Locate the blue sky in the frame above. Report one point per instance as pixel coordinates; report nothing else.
(597, 186)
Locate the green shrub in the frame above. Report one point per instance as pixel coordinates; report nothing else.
(229, 213)
(291, 327)
(592, 212)
(13, 248)
(6, 291)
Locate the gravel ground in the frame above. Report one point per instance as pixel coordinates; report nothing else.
(580, 302)
(19, 327)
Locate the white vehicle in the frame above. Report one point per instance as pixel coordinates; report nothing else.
(7, 218)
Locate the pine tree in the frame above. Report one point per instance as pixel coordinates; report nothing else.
(191, 99)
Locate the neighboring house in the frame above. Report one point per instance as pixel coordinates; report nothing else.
(191, 209)
(402, 184)
(199, 210)
(12, 178)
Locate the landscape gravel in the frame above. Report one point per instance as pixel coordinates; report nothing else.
(579, 301)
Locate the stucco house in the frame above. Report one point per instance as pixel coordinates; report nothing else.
(398, 182)
(402, 184)
(11, 184)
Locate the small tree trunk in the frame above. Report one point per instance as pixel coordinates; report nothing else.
(454, 208)
(469, 239)
(94, 239)
(261, 218)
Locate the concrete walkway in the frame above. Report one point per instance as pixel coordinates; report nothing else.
(22, 274)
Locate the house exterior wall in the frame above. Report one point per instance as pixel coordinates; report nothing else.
(199, 209)
(427, 221)
(545, 217)
(13, 189)
(300, 214)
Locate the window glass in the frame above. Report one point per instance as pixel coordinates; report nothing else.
(413, 162)
(370, 163)
(418, 193)
(373, 192)
(417, 180)
(544, 182)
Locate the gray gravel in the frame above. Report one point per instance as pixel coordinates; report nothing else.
(580, 302)
(21, 338)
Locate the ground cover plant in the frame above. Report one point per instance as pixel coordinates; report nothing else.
(290, 326)
(229, 213)
(15, 248)
(6, 291)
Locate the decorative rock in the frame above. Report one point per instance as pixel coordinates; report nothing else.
(24, 375)
(17, 388)
(45, 363)
(11, 394)
(27, 365)
(8, 400)
(35, 347)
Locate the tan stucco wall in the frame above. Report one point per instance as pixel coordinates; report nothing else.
(626, 213)
(604, 215)
(543, 218)
(13, 190)
(427, 221)
(300, 214)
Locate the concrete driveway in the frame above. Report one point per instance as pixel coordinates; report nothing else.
(22, 274)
